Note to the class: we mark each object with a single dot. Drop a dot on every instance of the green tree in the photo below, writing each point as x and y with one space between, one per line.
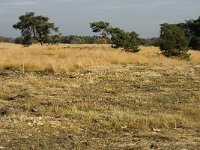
173 41
55 39
100 26
119 38
18 40
35 28
127 41
193 28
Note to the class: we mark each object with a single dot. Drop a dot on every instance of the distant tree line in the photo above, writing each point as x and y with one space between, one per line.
149 41
73 39
174 41
7 39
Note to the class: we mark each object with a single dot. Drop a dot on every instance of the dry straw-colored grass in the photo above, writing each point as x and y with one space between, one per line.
63 57
117 107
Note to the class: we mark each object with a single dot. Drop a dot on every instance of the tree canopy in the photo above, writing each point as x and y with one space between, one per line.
193 28
119 38
35 28
173 41
100 26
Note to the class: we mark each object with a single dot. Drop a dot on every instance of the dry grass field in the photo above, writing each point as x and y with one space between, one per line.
64 58
94 97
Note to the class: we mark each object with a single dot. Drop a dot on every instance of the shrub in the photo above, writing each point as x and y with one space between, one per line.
127 41
193 28
173 41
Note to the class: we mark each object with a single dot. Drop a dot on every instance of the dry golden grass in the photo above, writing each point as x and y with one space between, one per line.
64 58
115 107
152 103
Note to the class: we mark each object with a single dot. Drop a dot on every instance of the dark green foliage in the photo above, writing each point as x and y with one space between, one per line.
55 39
100 26
133 43
119 38
86 39
193 28
173 41
127 41
149 41
27 39
143 42
195 43
35 28
18 40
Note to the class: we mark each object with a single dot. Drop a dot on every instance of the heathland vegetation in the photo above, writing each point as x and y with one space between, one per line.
120 93
95 97
69 57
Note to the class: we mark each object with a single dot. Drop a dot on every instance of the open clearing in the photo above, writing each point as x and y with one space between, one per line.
106 99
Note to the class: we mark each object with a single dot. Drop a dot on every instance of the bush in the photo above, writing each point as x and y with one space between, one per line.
173 41
127 41
193 29
195 43
18 40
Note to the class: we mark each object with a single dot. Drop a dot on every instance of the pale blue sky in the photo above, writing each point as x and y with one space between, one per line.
73 16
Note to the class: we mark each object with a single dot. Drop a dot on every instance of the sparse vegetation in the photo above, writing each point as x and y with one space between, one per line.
115 100
64 58
83 96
